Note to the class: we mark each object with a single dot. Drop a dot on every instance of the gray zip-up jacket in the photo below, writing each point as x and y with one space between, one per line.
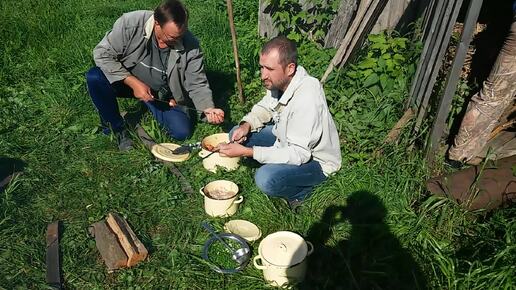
303 125
126 45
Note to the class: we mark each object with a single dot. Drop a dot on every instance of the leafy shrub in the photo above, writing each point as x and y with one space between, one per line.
311 20
367 97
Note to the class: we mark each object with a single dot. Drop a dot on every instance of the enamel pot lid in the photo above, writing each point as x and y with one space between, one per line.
246 229
163 151
283 249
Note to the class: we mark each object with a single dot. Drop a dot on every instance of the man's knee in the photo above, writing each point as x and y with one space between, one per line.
95 76
266 181
180 134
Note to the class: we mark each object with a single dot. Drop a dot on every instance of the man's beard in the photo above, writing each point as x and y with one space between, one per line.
279 86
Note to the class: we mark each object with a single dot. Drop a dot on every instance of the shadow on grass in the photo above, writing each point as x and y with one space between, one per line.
372 257
9 168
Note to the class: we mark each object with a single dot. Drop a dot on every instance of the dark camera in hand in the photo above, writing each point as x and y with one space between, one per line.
164 94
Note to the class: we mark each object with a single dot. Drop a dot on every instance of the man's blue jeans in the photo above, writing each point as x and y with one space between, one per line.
103 94
292 182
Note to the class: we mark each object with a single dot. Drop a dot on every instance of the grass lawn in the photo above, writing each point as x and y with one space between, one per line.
372 224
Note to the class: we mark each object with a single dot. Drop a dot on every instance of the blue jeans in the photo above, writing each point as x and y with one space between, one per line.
103 94
292 182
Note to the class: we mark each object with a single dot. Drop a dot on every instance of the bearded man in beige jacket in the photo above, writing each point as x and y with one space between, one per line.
290 131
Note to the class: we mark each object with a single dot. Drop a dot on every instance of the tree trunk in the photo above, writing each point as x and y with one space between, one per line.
340 23
266 27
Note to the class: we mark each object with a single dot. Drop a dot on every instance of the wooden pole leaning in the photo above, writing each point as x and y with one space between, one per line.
229 3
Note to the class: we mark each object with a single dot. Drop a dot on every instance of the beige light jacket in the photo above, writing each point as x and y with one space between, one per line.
303 125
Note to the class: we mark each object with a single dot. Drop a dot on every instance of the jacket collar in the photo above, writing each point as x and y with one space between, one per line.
292 87
149 27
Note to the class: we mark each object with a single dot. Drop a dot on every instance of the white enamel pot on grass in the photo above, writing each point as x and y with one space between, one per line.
210 162
221 198
282 257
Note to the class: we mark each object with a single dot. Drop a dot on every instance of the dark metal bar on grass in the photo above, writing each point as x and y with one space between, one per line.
453 78
53 259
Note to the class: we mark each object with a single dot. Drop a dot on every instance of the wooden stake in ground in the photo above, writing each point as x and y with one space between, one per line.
235 49
396 130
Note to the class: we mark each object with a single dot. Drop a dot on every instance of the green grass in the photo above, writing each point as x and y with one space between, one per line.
372 224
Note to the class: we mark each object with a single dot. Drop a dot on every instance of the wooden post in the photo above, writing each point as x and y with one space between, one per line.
235 50
344 46
452 79
341 23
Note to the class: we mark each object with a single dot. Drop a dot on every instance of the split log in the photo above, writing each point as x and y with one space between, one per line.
133 248
117 243
107 243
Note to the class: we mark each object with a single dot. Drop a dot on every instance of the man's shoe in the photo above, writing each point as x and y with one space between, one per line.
124 142
295 205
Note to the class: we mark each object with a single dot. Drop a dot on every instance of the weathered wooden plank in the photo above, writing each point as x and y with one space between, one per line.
453 78
396 130
364 28
433 44
396 11
434 13
345 43
428 14
340 24
266 27
443 38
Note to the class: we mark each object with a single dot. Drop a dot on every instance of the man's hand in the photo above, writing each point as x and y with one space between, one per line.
240 133
172 103
214 115
140 90
235 150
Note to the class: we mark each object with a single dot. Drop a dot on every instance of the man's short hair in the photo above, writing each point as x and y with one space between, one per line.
171 10
286 48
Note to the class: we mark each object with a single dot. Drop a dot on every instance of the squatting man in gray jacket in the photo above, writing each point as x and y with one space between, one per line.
290 130
152 56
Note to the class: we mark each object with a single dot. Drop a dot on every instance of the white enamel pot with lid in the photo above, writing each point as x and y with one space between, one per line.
282 257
